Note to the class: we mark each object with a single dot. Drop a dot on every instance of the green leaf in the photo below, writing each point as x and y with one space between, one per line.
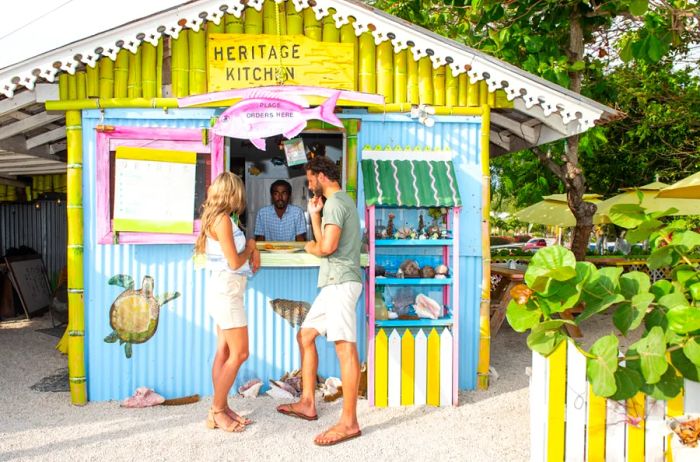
633 283
555 262
639 7
652 352
546 337
627 215
667 388
601 369
628 382
630 315
685 366
687 239
521 317
601 291
656 317
692 351
577 66
626 51
661 258
643 231
695 291
683 319
685 275
656 48
661 288
111 338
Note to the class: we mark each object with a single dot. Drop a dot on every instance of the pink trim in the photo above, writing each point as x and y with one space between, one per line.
455 309
370 214
355 96
160 138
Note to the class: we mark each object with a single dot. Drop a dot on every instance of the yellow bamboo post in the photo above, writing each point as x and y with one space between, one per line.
351 129
400 82
269 23
159 68
93 81
330 32
253 23
233 24
106 78
439 86
473 94
425 81
214 28
483 93
72 87
180 65
482 372
295 22
463 84
412 90
385 71
148 70
76 308
451 88
81 84
312 26
366 74
347 35
198 62
134 86
63 86
282 17
121 74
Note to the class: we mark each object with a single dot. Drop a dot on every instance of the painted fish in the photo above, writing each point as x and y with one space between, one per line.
268 114
294 312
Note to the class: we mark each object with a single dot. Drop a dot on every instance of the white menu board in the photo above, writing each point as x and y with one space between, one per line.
154 190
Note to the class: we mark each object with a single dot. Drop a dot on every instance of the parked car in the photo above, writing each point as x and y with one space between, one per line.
534 244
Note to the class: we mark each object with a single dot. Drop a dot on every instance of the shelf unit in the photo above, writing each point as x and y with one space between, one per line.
448 286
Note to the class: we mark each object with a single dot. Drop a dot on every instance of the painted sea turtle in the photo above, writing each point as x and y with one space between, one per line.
134 313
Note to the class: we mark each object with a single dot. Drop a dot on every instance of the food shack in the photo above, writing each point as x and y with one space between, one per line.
158 106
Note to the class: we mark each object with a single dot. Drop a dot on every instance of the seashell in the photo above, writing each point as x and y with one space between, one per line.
442 269
379 271
280 390
426 307
393 315
251 388
291 310
427 272
410 269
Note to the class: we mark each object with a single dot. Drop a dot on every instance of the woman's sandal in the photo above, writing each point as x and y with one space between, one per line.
237 417
234 426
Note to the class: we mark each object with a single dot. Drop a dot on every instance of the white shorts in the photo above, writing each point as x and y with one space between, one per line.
333 313
224 299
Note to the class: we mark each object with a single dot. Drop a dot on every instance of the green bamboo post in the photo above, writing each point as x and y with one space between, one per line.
282 17
462 83
198 62
400 76
159 67
134 87
347 35
72 87
483 93
451 88
93 81
439 86
148 70
121 74
491 97
106 78
425 81
295 21
351 129
269 23
385 71
180 65
473 94
81 84
412 88
76 307
213 28
367 81
63 86
312 26
330 32
253 23
234 25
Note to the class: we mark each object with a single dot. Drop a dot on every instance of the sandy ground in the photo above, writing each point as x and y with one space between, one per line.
486 426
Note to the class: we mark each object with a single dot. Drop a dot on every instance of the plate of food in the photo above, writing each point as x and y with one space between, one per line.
280 248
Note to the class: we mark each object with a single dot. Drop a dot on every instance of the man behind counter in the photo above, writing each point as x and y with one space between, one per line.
280 221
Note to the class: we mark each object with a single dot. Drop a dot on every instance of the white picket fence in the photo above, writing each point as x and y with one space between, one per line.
569 422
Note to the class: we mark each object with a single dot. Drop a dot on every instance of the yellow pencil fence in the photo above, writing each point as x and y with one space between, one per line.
569 422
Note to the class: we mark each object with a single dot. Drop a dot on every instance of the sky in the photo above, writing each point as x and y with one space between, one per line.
23 22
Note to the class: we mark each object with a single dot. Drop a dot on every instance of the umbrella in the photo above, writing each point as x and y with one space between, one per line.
650 201
687 188
553 211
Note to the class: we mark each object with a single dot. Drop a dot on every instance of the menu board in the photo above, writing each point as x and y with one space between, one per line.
153 190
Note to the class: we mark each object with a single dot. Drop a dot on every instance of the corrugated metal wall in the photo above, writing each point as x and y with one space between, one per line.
40 225
462 136
177 360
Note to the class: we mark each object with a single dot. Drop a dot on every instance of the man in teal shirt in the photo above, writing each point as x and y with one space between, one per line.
333 313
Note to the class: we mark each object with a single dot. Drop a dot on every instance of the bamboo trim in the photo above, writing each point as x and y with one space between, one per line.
367 56
269 23
121 74
63 86
439 86
463 85
93 81
439 110
180 64
76 311
351 127
347 35
214 28
482 373
159 67
412 90
425 81
72 87
253 23
134 86
198 62
312 26
234 25
385 71
472 94
148 70
330 32
400 76
104 103
295 22
81 84
451 89
106 78
282 17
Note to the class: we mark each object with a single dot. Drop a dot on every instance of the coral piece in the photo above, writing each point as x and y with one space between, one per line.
410 269
426 307
404 297
143 397
251 388
441 271
390 225
427 272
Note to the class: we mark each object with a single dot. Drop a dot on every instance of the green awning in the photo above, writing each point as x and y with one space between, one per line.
410 183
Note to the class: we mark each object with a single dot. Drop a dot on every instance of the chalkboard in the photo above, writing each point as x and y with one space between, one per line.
29 278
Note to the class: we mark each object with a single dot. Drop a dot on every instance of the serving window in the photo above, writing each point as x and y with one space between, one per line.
151 183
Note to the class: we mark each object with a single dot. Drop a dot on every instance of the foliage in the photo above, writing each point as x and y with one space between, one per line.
665 313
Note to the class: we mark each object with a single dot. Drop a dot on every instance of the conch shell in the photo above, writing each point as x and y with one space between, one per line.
426 307
441 271
251 388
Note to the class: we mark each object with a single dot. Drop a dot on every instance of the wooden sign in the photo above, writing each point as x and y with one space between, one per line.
246 60
28 275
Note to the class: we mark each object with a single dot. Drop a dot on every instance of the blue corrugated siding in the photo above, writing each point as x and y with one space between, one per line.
462 136
177 360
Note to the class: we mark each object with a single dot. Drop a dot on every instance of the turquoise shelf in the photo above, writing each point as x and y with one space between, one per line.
412 242
412 282
442 322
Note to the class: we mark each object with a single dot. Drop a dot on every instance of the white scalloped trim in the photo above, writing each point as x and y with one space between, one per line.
515 83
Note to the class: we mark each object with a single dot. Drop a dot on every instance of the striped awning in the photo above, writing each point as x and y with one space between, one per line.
409 182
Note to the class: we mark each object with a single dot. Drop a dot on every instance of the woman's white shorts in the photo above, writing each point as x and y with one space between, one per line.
224 299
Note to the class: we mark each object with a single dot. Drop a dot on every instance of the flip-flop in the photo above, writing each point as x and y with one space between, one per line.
292 413
343 437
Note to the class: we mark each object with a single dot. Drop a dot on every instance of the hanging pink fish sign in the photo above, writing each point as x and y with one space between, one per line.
268 114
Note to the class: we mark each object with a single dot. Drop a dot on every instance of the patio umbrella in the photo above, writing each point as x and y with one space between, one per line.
687 188
553 210
650 201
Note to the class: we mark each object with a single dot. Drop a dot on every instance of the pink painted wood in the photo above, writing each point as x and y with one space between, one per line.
370 214
158 138
455 302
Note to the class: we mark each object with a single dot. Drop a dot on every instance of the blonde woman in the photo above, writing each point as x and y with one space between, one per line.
229 259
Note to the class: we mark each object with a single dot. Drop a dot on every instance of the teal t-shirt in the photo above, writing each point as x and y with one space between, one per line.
343 265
